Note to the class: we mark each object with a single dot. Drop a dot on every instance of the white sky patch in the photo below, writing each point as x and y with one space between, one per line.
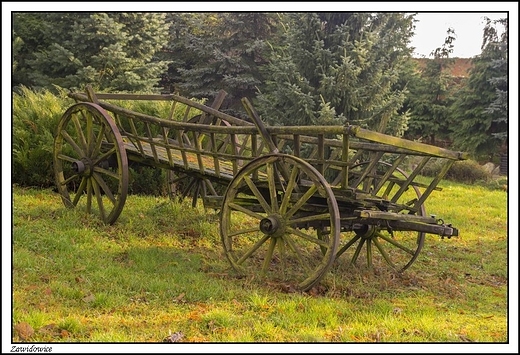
431 31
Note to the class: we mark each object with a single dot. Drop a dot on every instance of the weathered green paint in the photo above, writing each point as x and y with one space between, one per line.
278 215
94 131
337 178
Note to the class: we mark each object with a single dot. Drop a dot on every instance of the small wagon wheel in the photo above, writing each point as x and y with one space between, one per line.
268 224
380 245
182 185
90 162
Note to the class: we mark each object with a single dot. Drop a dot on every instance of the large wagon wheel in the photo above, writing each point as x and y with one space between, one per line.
379 245
268 224
90 162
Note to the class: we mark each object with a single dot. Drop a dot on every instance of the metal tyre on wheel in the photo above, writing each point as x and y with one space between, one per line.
378 245
268 222
90 162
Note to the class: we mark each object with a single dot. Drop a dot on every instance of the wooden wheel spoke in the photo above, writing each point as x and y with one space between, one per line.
66 158
251 250
210 187
348 245
250 213
258 195
178 179
283 255
288 190
69 179
310 238
369 252
99 180
383 253
296 252
89 195
79 131
358 250
99 199
243 231
395 243
104 156
99 170
99 140
306 196
89 129
268 256
272 187
81 188
81 152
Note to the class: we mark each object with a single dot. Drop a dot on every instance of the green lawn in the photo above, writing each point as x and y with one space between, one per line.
160 270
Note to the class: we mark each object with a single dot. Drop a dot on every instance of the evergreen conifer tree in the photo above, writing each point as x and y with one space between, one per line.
111 51
339 67
218 51
480 112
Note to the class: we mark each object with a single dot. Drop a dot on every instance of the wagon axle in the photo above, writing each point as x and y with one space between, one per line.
85 166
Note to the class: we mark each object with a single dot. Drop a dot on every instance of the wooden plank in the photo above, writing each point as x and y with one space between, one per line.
188 161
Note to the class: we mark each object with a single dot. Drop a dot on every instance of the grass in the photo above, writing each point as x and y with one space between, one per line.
160 270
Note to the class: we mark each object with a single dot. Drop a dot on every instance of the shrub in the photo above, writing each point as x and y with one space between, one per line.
146 180
466 171
36 115
35 118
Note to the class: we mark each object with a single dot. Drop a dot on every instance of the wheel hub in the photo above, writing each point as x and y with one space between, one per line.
273 225
83 167
366 231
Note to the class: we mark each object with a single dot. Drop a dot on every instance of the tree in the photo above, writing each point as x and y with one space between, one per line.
111 51
214 51
480 111
339 67
430 97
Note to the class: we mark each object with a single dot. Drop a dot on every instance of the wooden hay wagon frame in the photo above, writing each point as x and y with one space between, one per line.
291 200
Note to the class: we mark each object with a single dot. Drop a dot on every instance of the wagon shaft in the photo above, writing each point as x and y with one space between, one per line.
293 199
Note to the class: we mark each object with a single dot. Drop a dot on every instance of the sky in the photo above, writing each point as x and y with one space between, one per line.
431 30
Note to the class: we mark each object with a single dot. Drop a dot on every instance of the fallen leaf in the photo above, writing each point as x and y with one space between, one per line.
24 330
397 310
465 338
179 297
89 298
49 329
173 338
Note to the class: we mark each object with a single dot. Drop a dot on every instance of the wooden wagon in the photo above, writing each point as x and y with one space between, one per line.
291 200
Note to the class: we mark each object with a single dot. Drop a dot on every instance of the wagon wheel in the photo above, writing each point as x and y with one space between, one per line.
268 224
182 186
90 162
376 246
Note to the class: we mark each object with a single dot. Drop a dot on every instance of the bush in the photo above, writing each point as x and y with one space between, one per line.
146 180
466 171
36 115
35 118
